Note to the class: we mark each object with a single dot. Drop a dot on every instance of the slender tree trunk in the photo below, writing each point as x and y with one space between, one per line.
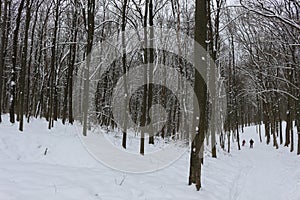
280 128
292 138
200 90
14 64
288 128
125 73
151 67
2 50
298 133
273 128
259 130
1 62
235 94
145 95
52 66
266 113
298 113
228 139
23 65
31 91
214 48
68 93
90 36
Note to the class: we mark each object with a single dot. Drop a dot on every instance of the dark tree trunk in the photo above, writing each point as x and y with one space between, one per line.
228 139
236 106
214 48
288 128
31 91
266 113
292 139
2 51
90 24
52 74
273 128
298 113
280 128
145 95
200 90
151 63
125 73
23 65
14 64
68 93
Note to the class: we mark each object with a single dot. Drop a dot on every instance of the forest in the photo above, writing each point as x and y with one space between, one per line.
98 63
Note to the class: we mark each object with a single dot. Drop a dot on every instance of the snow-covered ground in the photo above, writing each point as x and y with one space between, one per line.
68 171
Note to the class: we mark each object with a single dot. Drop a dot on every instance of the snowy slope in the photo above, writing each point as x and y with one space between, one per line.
68 171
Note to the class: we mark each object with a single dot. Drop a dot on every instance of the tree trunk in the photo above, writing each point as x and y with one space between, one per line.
14 64
273 128
90 36
125 74
200 90
288 128
214 48
280 128
298 112
292 138
68 93
31 91
2 51
228 139
145 95
151 67
298 131
23 65
52 74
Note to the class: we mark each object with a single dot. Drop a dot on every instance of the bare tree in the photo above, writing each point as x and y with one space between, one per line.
2 49
24 64
125 72
90 28
200 89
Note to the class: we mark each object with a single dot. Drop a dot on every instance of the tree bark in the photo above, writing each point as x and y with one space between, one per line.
200 90
14 64
90 36
68 93
52 67
23 65
30 91
2 51
151 67
145 95
125 73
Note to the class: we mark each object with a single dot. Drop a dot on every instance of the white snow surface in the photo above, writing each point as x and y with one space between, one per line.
68 171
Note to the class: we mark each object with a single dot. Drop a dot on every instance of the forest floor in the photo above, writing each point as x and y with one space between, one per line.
68 171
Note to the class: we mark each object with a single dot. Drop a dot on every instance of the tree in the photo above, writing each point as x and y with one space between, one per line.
23 65
144 119
14 64
125 73
68 93
2 48
214 49
52 75
200 90
298 114
90 28
151 67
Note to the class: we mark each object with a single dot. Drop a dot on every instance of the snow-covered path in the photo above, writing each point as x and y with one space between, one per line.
69 172
267 174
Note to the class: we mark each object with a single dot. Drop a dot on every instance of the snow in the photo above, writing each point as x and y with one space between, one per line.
69 171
